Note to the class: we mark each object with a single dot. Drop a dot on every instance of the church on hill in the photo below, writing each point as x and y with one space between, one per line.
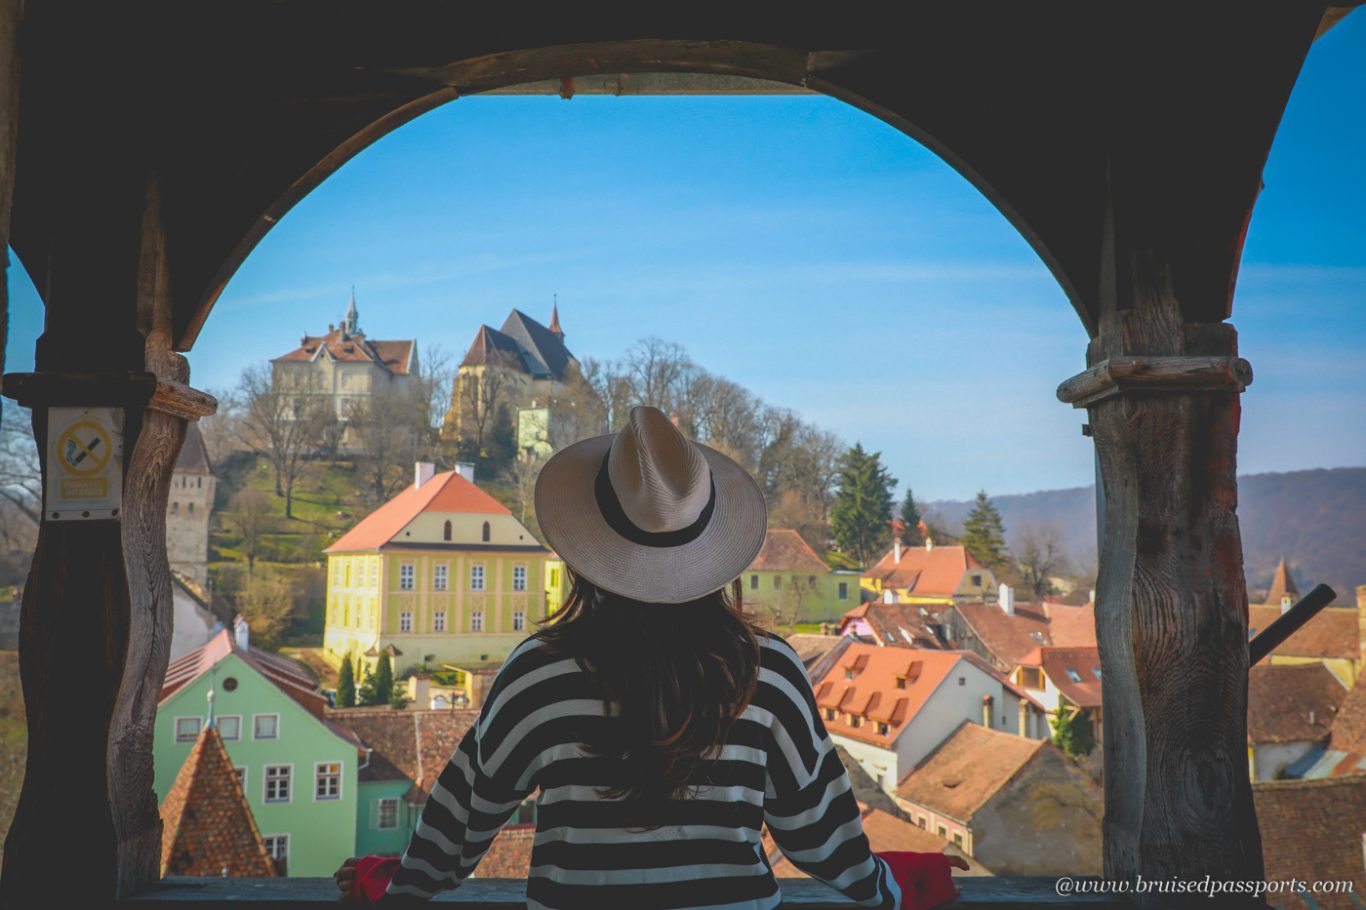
517 374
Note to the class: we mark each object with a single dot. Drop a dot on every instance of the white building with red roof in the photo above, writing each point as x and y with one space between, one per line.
346 367
1067 678
890 707
441 573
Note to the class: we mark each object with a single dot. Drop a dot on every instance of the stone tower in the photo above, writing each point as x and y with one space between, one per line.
187 513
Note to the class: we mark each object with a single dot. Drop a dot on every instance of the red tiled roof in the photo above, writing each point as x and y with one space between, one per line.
885 832
394 356
876 670
1333 633
1085 662
936 572
291 678
446 492
1292 703
411 745
1071 626
208 826
1349 728
1006 638
509 856
1282 585
1311 831
967 770
903 625
784 550
811 648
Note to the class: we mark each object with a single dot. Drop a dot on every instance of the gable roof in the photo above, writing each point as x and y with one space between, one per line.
1333 634
543 350
1009 639
1349 727
411 745
446 492
394 357
493 348
1311 830
967 770
1085 662
208 826
784 550
886 832
293 679
873 693
925 571
896 624
509 856
1282 585
194 456
811 648
1292 703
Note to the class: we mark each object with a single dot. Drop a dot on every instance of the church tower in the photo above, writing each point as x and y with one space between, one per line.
351 321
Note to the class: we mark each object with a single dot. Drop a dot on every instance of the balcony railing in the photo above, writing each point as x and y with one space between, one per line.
507 894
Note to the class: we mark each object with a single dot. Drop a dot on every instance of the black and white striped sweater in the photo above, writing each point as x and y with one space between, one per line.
777 766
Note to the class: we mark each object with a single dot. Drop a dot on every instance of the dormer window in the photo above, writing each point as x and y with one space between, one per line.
1073 675
848 673
883 729
855 720
901 682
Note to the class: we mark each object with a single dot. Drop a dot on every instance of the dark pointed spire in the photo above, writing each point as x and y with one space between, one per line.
555 318
351 322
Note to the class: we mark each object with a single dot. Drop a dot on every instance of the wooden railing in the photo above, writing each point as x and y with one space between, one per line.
508 894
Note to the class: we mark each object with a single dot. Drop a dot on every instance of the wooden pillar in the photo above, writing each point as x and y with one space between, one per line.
95 626
1162 395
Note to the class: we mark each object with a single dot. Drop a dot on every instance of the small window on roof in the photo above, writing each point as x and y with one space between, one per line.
890 636
1073 675
883 728
1096 670
901 682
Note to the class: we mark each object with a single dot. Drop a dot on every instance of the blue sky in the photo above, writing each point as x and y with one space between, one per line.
810 252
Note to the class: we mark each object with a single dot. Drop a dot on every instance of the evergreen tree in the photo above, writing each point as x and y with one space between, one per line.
863 506
1072 733
384 679
346 684
983 533
910 517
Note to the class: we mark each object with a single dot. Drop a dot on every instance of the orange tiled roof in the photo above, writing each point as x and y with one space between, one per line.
936 572
393 356
509 856
1282 585
873 689
1333 633
1085 662
208 826
1311 830
1006 638
1292 703
446 492
411 745
885 832
1349 727
967 770
811 648
902 625
784 550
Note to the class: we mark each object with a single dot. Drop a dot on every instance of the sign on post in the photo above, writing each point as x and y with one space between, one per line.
84 464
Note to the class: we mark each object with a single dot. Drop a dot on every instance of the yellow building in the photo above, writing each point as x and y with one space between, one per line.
1333 638
442 573
929 574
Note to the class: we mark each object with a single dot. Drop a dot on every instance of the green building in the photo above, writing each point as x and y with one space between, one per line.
297 768
789 582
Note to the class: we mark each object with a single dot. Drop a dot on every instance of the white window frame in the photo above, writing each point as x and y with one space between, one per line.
379 813
440 576
405 621
199 725
255 729
478 576
519 577
219 722
282 838
317 778
439 621
407 576
477 621
519 620
241 771
289 785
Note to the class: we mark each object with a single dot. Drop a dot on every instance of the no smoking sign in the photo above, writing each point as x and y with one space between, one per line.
84 467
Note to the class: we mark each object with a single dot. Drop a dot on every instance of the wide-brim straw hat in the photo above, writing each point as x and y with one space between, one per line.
650 515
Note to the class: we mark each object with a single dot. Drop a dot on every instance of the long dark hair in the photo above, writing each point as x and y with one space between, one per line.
676 676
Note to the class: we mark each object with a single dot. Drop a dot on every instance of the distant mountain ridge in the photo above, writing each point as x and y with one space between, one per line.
1315 518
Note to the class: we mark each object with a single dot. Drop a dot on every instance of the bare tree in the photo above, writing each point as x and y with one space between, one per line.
221 432
1038 551
788 603
480 393
576 413
252 519
284 424
267 602
389 431
521 476
21 482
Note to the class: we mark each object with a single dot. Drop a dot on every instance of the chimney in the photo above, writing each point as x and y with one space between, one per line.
1024 718
423 471
889 596
896 550
1093 595
465 469
241 632
1361 618
1008 600
929 543
1286 604
987 702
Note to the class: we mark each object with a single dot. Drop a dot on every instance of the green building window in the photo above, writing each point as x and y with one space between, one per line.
844 590
754 582
278 783
328 780
265 726
277 845
387 814
230 726
187 729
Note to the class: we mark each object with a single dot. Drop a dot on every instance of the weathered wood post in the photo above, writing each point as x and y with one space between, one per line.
95 626
1162 395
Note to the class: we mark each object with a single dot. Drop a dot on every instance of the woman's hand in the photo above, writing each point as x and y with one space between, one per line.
925 878
958 862
345 877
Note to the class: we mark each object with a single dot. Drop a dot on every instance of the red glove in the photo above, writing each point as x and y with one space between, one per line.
924 878
373 874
